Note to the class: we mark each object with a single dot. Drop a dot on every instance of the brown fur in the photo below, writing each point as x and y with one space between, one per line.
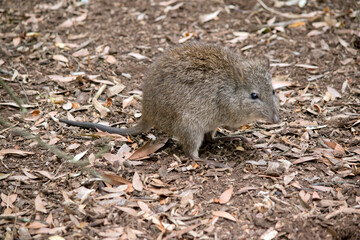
194 88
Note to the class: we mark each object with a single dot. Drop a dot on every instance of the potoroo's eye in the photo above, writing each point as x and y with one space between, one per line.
273 92
254 96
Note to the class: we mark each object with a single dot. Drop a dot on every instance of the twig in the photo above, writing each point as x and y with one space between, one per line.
24 91
73 58
51 148
54 150
84 44
287 15
15 76
23 133
280 201
12 94
182 231
336 183
254 27
4 165
13 231
5 72
10 217
5 129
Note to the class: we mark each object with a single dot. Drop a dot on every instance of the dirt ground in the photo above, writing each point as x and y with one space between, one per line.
299 179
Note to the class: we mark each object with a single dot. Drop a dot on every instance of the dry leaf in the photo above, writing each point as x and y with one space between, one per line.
129 101
138 56
322 188
73 146
333 93
137 183
167 3
35 225
346 62
305 197
289 178
75 105
56 6
114 179
15 152
226 195
186 36
246 189
50 230
19 178
307 66
357 151
39 204
83 193
305 159
280 64
172 8
343 210
144 207
331 21
297 24
46 174
271 21
187 198
314 33
7 201
207 17
129 211
67 106
319 24
29 175
315 196
240 36
4 175
60 58
78 156
114 90
147 149
71 21
16 41
113 136
333 145
81 53
100 108
35 112
110 59
112 157
269 234
107 82
62 78
278 83
224 215
77 36
161 191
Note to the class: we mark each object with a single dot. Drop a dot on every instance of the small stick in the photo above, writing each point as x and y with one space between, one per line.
14 76
287 15
12 94
73 58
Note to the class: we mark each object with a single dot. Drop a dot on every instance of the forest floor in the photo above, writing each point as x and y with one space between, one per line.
299 179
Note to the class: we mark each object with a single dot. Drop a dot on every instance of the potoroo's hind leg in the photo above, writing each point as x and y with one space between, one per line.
191 143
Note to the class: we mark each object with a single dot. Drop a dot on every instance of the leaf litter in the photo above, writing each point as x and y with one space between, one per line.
302 174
